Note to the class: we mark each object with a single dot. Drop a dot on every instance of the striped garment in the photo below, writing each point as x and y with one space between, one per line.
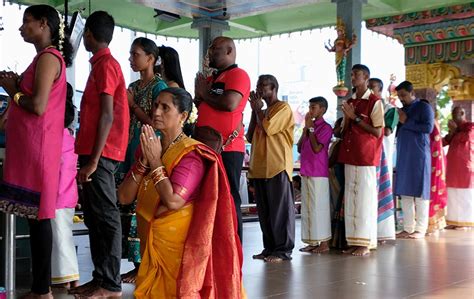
385 196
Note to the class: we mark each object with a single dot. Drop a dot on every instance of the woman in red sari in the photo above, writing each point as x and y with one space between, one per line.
438 196
186 216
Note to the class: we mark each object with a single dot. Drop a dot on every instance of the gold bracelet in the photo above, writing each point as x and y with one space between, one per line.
143 165
135 179
17 96
161 179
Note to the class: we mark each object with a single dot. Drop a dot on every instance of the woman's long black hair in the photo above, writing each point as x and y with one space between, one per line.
51 15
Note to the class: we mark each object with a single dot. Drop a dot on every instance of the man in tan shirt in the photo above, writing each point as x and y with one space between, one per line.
271 166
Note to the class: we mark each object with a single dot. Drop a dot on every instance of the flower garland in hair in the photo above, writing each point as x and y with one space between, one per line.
61 32
193 115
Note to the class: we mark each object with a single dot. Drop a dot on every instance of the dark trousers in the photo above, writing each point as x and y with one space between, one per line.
233 167
102 218
276 213
41 244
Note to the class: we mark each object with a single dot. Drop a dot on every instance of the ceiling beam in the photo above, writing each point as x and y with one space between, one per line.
386 4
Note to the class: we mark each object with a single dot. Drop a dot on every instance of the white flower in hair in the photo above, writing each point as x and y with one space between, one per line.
61 32
193 116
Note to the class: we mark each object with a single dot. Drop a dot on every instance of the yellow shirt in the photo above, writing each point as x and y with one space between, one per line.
272 143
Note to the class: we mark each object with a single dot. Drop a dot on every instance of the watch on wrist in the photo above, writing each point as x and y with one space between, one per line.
357 119
311 129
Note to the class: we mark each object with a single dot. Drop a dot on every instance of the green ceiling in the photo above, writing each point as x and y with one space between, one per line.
287 18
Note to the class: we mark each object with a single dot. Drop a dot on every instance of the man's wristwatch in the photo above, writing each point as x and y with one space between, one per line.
357 119
311 129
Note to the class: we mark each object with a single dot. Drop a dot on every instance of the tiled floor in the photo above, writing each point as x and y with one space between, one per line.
440 266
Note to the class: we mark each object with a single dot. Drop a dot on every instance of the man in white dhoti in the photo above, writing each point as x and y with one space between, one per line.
460 171
361 151
315 200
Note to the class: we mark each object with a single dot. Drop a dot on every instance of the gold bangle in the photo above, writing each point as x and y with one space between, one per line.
143 165
161 179
135 179
17 96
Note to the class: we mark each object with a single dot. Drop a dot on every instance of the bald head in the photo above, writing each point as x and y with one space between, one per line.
222 52
458 114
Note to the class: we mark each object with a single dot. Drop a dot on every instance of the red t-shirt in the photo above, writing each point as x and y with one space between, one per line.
106 77
236 79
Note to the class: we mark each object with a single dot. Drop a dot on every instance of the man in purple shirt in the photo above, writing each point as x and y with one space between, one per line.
313 147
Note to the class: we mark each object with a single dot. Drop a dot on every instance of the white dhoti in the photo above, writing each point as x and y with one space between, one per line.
460 207
64 267
416 214
386 228
360 205
315 210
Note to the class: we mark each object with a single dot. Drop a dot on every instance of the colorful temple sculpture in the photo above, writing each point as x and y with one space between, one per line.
439 50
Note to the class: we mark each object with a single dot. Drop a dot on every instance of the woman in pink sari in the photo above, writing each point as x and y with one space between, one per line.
34 136
438 196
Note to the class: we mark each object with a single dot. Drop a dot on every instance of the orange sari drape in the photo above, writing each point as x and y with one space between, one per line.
193 252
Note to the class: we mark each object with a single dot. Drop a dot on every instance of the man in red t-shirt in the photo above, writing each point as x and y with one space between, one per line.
221 101
101 144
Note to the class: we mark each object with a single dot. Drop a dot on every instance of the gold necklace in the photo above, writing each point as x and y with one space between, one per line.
176 140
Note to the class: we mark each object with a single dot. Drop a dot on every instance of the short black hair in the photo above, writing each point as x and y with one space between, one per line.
101 25
406 85
361 67
377 80
321 101
271 79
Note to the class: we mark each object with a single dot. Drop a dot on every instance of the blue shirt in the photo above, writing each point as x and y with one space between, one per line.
413 170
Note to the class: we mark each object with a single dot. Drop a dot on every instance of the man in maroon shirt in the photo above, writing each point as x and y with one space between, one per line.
101 143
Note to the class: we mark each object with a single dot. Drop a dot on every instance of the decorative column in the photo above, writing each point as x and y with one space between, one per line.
428 79
208 30
350 11
439 50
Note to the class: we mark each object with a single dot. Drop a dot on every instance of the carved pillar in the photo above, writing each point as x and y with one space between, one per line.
428 79
461 91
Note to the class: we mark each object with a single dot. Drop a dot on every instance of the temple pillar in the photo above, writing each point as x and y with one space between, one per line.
350 11
208 30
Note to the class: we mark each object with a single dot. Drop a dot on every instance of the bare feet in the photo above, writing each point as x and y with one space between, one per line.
416 235
32 295
402 235
461 228
273 259
323 247
130 276
85 288
100 293
361 251
73 284
259 256
349 250
308 248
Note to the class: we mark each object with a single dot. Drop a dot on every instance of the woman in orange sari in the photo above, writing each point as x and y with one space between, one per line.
186 216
